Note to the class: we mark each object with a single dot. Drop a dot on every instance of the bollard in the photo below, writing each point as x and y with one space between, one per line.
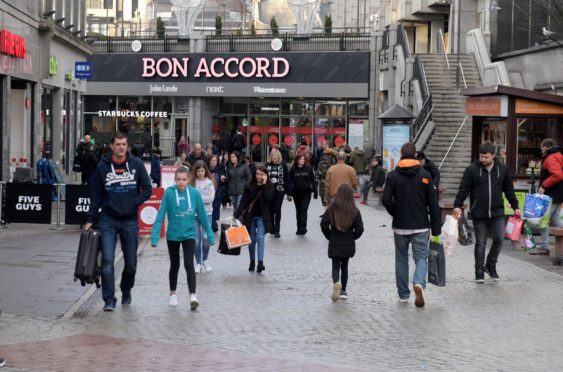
58 186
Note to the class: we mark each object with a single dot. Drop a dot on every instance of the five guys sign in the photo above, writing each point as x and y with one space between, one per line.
12 44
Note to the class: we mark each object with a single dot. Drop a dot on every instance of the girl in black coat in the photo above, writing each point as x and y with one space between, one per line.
254 212
341 224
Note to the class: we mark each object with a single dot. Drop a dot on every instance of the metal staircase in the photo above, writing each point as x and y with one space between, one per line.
448 115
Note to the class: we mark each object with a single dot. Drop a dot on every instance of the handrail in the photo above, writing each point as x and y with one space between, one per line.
403 40
420 127
420 75
453 141
444 47
462 74
481 61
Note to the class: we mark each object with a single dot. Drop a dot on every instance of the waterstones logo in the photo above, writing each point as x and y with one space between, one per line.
269 90
162 88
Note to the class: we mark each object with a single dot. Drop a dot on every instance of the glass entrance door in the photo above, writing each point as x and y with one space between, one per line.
264 133
180 130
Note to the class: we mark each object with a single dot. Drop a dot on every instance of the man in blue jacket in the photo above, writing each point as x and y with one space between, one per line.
119 186
484 181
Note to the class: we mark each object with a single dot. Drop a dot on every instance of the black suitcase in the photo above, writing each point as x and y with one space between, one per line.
88 263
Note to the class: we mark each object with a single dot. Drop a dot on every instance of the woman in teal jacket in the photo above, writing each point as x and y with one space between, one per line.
181 203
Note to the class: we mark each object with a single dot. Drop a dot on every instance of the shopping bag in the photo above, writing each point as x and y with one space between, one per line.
237 235
449 235
223 247
527 241
513 228
464 232
536 206
436 264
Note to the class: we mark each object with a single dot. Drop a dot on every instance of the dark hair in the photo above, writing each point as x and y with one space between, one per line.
297 158
342 210
420 155
216 157
408 150
237 154
262 168
486 147
199 164
118 135
548 142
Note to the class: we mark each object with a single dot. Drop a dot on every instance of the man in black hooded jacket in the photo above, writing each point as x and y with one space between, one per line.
409 197
484 181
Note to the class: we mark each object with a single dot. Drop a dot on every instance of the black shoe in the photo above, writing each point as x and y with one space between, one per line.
491 270
479 276
260 267
277 235
109 305
126 298
304 231
252 265
2 362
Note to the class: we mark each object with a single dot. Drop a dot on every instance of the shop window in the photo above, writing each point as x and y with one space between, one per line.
263 134
100 128
265 106
332 130
137 128
358 108
495 131
97 103
299 107
330 108
295 130
233 106
162 127
531 132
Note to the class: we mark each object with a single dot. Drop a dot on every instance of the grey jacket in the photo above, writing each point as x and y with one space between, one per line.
237 178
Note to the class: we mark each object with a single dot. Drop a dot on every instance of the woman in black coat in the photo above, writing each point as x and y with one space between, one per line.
254 212
303 184
341 224
88 163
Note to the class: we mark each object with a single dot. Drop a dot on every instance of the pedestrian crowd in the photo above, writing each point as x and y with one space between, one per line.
205 180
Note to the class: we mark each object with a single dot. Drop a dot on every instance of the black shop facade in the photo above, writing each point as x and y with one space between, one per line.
274 99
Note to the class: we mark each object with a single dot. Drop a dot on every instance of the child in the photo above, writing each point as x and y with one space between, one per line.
341 224
181 203
202 179
254 212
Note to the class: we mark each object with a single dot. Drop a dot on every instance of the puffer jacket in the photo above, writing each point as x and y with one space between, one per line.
237 178
342 244
552 174
359 160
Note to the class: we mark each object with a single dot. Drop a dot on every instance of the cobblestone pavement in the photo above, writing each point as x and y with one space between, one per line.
284 319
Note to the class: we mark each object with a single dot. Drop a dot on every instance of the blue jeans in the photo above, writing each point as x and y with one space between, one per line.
257 233
235 200
495 226
553 221
216 209
419 243
127 230
201 243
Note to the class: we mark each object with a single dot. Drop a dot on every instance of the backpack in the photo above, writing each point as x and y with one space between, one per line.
325 163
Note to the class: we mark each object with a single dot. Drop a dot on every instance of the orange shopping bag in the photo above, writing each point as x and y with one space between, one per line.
237 236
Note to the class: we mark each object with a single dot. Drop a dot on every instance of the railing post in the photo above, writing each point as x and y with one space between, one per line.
1 203
58 186
231 43
341 42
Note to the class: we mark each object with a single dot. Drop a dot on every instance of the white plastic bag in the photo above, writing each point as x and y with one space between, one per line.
449 235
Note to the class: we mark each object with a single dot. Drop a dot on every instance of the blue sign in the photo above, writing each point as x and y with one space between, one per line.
83 70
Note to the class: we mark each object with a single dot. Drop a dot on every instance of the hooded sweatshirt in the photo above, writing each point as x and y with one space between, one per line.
181 207
359 160
409 197
119 188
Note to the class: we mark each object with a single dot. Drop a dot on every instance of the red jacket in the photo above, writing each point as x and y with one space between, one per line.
552 174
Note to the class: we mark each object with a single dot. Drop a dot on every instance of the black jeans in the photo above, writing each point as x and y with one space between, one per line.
174 251
301 207
495 226
340 266
276 212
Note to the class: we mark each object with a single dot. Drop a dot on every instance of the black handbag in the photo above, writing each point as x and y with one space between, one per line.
76 164
464 232
437 264
223 247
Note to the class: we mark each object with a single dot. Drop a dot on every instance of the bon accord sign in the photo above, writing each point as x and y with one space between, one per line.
298 74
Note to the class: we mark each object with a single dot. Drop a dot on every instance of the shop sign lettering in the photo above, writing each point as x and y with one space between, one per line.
12 44
248 67
83 205
53 66
134 114
28 203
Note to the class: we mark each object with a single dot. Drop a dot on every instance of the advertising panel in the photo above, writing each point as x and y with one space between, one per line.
77 204
394 136
28 203
148 211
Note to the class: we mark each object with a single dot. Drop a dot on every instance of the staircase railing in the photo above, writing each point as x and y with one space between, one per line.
422 118
441 38
462 74
453 141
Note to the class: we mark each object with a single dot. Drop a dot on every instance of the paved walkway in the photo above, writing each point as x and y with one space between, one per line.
284 319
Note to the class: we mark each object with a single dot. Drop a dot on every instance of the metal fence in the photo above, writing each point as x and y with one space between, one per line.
148 44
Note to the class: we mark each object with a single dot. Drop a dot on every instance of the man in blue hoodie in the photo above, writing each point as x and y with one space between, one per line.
120 185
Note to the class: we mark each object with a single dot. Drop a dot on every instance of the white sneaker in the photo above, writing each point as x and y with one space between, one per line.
173 300
194 303
197 268
206 266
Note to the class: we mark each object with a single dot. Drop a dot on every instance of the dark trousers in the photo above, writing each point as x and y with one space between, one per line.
340 268
301 207
127 230
188 246
495 226
276 212
216 214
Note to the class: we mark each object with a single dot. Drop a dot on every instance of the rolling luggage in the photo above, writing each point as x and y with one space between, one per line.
88 263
